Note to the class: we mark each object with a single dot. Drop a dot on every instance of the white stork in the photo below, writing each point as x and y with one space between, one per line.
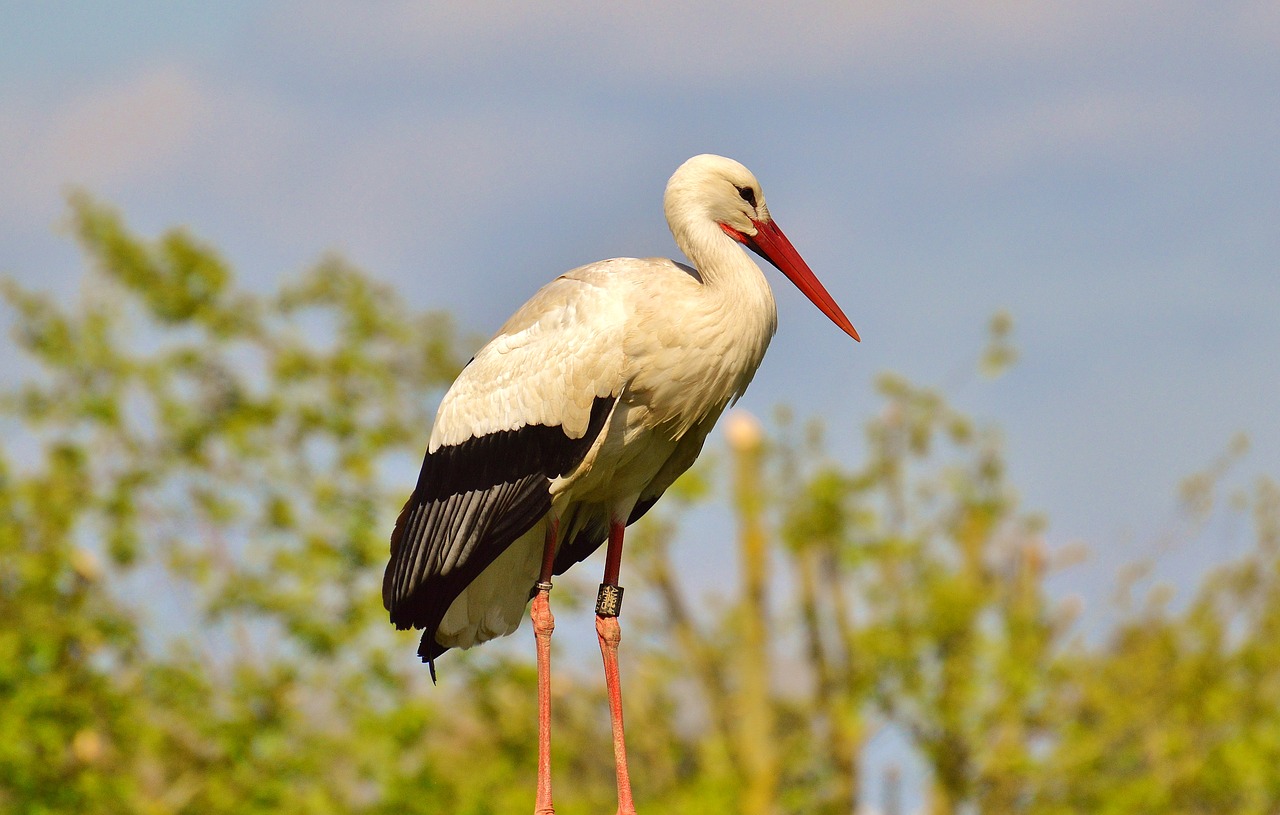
575 418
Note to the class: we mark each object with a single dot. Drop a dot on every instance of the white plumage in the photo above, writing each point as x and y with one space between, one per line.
585 406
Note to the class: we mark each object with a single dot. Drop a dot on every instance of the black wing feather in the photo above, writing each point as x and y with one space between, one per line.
471 502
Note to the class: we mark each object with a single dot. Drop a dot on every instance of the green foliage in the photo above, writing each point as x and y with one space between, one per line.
1178 711
65 722
211 466
193 527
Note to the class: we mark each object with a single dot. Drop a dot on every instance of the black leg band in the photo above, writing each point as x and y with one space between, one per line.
609 601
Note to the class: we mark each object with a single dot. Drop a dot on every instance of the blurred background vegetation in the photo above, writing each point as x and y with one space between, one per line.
196 488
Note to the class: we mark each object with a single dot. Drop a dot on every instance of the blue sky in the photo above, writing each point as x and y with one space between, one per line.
1108 172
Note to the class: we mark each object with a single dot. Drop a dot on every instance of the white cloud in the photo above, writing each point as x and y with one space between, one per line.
287 172
1257 24
382 190
748 45
134 129
1097 124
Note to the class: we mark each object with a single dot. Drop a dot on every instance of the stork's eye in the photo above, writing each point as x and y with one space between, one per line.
748 195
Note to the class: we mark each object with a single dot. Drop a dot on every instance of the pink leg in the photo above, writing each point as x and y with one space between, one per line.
610 634
608 606
543 624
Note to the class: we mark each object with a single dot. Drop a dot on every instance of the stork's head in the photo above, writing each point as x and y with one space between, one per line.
710 189
716 188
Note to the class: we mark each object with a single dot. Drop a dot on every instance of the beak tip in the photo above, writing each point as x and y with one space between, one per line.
770 243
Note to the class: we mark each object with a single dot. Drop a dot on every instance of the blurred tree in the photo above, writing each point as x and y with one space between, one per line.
187 578
916 598
1179 711
68 652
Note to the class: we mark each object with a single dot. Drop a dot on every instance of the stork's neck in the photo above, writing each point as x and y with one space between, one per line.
729 322
722 262
730 276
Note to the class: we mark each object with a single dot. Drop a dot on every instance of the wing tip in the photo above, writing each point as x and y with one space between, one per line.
429 650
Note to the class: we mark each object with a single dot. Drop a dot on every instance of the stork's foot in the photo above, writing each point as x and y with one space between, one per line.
543 624
610 634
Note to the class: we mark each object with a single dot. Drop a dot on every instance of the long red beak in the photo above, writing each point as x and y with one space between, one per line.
773 246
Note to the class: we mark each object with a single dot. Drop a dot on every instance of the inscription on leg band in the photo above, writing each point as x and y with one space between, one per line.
609 601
